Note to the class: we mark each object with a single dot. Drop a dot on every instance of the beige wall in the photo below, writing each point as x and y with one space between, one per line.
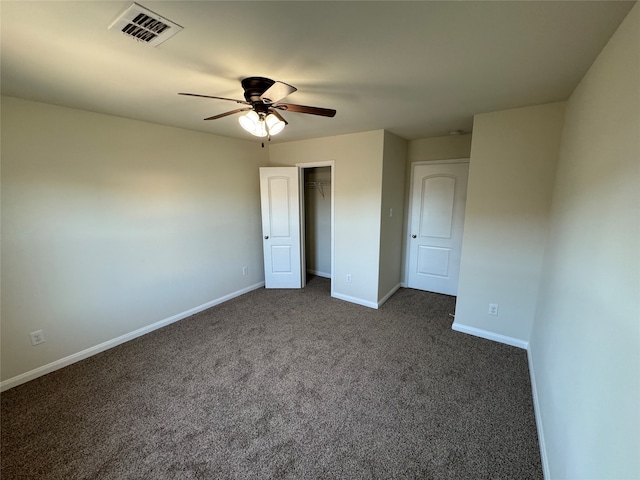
358 194
392 214
110 225
439 148
585 344
512 169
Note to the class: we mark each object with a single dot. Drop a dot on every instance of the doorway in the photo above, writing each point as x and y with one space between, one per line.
317 225
317 221
284 227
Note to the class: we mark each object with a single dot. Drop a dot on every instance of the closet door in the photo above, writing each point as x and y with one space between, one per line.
280 201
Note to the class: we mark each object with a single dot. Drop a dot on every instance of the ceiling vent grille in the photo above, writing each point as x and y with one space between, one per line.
145 26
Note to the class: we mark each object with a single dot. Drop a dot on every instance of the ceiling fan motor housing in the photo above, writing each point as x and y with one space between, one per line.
254 87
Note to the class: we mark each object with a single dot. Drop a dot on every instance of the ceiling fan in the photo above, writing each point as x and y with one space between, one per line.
262 100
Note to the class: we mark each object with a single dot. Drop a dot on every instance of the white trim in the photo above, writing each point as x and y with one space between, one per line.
327 163
536 409
76 357
403 285
388 295
407 242
319 274
302 228
441 162
358 301
333 223
496 337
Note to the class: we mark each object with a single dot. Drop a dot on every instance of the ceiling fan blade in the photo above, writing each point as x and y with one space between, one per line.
216 98
280 117
276 92
238 110
290 107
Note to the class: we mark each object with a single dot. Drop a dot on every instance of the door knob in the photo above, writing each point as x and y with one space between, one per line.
266 237
413 236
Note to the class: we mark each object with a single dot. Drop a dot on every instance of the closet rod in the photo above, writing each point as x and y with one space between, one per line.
319 185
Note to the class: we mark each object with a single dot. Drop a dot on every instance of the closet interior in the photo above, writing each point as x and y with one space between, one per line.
317 211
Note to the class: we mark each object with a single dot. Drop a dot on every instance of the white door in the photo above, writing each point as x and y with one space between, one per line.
280 200
438 196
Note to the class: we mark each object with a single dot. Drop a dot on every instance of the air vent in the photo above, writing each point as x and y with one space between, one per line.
145 26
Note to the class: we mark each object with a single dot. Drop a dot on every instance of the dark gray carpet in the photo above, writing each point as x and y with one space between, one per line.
283 384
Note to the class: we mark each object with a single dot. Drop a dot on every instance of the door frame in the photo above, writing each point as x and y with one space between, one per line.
407 244
303 253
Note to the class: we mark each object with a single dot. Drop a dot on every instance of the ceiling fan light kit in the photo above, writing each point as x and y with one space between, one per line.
274 124
260 125
262 96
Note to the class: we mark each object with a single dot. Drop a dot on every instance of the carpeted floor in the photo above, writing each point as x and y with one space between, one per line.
283 384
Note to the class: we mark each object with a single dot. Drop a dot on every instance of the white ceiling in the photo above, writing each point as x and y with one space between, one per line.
417 69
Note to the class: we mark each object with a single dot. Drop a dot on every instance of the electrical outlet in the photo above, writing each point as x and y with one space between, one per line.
245 270
348 278
493 309
37 337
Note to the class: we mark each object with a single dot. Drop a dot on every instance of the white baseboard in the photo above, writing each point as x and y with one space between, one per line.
496 337
358 301
76 357
536 409
388 295
319 274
